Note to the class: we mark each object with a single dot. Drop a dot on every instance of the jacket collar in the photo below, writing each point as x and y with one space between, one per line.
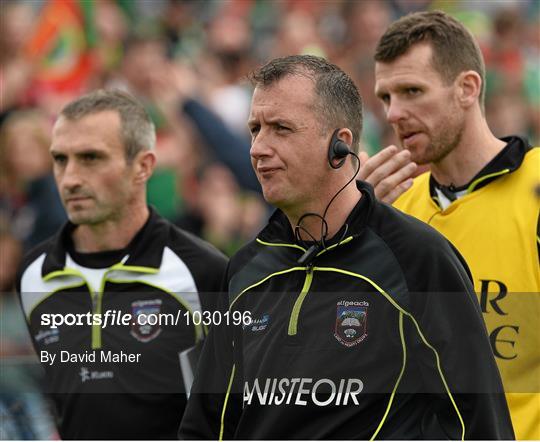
506 161
279 229
145 250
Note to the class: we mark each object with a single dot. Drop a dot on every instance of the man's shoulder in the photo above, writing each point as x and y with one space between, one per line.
274 232
163 233
30 284
417 194
416 245
244 255
204 261
36 253
532 156
405 232
182 241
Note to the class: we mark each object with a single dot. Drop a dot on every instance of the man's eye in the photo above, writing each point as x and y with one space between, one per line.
254 130
385 98
89 157
413 91
59 159
282 128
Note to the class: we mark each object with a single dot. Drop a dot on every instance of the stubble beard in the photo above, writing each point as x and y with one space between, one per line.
443 141
87 216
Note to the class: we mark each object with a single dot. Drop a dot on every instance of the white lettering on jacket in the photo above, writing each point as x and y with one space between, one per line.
300 391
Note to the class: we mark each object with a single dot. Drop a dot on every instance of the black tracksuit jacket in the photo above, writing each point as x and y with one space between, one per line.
379 336
163 270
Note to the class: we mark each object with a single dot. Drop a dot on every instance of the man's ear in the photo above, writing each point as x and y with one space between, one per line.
144 164
346 136
469 86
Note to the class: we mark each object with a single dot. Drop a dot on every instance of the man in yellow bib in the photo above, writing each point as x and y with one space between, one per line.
480 191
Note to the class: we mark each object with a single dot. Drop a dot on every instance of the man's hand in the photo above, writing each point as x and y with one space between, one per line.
170 85
390 172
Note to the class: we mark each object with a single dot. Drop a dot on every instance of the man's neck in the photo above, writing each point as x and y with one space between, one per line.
110 235
335 218
477 148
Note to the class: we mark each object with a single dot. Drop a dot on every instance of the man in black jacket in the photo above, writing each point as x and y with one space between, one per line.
364 320
114 298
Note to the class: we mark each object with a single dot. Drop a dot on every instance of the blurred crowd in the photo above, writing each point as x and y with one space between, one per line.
186 60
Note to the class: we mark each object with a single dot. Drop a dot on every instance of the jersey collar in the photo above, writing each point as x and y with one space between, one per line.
144 250
279 229
506 161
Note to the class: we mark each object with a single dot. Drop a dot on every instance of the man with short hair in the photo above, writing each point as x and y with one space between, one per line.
109 301
480 192
356 308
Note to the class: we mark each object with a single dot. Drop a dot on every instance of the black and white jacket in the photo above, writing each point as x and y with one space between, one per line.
120 381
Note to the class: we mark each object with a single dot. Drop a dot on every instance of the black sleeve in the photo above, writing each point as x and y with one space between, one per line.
215 403
451 349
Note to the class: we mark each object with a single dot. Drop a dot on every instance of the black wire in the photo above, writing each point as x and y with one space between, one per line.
299 238
324 223
323 237
344 234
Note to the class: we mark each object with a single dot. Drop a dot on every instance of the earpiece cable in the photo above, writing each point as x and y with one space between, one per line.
324 223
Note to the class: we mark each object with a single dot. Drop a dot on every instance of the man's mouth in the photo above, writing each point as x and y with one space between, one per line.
409 137
77 199
267 172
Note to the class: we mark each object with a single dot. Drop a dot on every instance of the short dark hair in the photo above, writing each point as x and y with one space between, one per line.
455 49
137 130
339 104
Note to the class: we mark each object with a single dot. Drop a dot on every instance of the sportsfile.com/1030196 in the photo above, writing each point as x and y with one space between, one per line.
116 318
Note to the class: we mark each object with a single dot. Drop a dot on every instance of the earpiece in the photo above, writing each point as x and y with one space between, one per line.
338 150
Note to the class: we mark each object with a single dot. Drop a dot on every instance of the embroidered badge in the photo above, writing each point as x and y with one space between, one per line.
145 324
351 322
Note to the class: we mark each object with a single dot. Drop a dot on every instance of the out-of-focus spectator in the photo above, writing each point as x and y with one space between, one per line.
10 257
513 73
504 58
145 56
112 28
365 22
28 196
61 48
15 69
507 114
298 35
175 90
216 213
229 45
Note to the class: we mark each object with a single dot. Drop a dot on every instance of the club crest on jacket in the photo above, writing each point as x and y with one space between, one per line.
351 322
145 319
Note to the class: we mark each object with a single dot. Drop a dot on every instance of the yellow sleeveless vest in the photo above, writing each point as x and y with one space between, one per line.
495 229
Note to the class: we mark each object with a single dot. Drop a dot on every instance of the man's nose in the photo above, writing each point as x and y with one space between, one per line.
395 112
260 146
71 178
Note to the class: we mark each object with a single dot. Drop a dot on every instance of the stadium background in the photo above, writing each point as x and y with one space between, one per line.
186 60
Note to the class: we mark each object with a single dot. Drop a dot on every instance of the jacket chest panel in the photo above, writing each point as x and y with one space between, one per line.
347 326
133 318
